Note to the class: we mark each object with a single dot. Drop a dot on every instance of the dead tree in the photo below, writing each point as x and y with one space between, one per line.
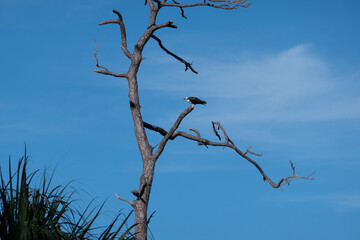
150 154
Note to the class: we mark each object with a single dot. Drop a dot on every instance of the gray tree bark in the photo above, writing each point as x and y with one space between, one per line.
149 158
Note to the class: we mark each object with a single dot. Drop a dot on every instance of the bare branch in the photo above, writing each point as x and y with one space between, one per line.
248 151
97 59
215 131
110 73
187 65
221 4
105 71
228 143
123 32
171 131
227 140
157 129
198 136
287 180
181 9
169 24
123 199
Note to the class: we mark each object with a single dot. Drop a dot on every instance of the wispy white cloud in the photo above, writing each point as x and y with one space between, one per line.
293 85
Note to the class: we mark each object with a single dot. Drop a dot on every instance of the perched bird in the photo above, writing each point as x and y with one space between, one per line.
195 100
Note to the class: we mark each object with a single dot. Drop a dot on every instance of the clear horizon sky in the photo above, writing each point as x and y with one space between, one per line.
281 76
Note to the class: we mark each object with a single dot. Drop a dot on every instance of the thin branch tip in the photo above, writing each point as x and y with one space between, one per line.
123 199
187 64
253 153
220 4
116 12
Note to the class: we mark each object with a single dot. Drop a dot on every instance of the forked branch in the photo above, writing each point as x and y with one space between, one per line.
105 71
172 134
122 30
253 153
168 134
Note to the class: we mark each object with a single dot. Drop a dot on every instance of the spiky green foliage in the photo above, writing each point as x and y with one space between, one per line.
46 212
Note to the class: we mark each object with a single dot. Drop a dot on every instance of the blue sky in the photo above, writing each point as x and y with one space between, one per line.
281 76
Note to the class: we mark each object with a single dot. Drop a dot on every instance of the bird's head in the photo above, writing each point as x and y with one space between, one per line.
187 98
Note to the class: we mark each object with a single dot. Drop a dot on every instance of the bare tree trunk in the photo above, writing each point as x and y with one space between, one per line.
140 205
149 158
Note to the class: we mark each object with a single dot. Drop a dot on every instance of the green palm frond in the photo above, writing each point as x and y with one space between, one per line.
46 212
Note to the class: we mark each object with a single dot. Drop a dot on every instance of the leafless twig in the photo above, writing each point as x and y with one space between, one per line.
97 59
187 65
181 9
123 199
216 132
253 153
105 71
198 135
